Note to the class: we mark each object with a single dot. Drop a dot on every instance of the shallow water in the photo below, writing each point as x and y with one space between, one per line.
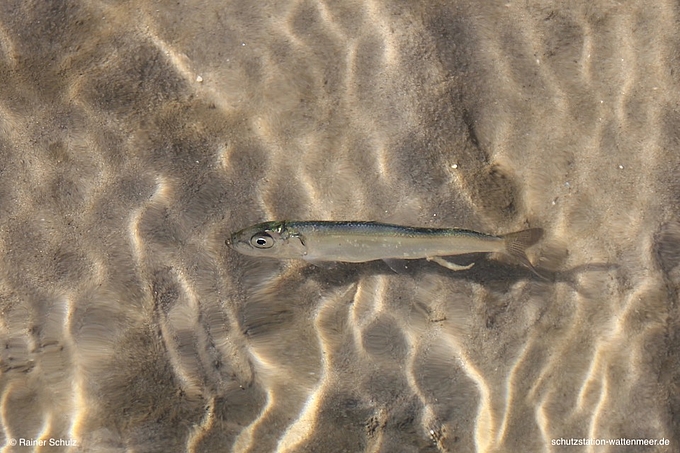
135 136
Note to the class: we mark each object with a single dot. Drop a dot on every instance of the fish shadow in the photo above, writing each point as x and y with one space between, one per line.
497 275
488 271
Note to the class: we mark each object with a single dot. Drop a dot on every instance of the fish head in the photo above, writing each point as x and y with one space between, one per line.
269 239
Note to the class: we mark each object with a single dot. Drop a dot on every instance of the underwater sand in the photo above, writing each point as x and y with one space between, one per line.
136 135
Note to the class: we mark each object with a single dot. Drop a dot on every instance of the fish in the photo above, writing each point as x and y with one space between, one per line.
359 242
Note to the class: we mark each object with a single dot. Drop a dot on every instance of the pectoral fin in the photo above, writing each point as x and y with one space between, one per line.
448 264
323 264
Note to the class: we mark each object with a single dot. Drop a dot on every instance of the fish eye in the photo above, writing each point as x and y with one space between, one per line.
262 241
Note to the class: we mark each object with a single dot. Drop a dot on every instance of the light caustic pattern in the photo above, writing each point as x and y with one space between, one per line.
130 149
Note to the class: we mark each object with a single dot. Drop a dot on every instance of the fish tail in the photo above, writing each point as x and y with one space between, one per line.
517 243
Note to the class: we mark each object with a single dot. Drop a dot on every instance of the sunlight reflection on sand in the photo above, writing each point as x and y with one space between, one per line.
131 149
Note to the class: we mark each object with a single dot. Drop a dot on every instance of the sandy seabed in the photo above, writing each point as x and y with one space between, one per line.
136 135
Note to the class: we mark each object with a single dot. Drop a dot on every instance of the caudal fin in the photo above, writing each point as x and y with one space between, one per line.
517 243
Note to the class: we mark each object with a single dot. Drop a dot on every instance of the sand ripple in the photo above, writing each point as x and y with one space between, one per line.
135 136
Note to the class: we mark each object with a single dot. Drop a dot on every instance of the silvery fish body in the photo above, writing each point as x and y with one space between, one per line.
356 242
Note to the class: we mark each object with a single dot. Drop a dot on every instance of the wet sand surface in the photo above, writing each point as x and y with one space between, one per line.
136 135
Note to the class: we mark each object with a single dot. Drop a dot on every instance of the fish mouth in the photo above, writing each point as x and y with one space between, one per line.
237 243
231 242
